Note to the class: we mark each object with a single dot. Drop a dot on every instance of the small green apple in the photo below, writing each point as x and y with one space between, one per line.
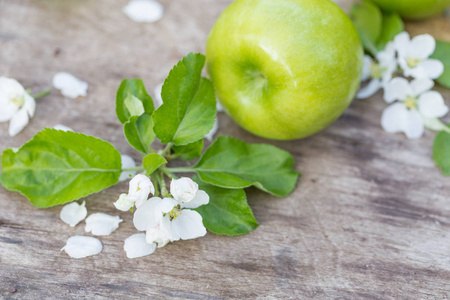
414 9
284 69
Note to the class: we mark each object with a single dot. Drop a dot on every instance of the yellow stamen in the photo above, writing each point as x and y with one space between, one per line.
410 103
412 62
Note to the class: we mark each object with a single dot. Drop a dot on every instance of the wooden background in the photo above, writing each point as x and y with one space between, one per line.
370 218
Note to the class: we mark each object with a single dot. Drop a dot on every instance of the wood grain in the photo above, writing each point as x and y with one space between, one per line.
370 218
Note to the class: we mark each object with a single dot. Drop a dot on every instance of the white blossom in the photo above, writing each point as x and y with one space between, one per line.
147 11
171 219
416 104
82 246
139 189
136 246
69 85
16 105
102 224
73 213
413 56
125 202
127 162
379 72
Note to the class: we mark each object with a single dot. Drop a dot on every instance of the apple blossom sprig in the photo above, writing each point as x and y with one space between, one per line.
17 105
394 57
63 166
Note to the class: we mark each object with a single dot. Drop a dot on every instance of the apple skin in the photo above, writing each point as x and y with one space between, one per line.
284 69
414 9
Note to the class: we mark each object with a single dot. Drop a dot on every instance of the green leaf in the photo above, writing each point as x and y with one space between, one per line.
190 151
441 151
152 162
139 132
231 163
392 25
189 105
442 53
56 167
227 212
368 21
132 100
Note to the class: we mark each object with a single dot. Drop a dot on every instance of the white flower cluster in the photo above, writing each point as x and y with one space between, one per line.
413 105
165 219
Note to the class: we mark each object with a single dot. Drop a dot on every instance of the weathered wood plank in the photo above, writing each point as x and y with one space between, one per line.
370 218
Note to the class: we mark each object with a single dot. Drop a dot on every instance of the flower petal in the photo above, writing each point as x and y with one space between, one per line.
370 89
82 246
366 68
127 162
167 227
29 105
157 100
136 246
147 11
430 68
397 89
158 236
69 85
189 225
9 109
413 125
18 122
210 135
401 43
392 116
432 105
166 205
422 46
125 202
147 215
201 198
420 86
102 224
183 189
73 213
62 127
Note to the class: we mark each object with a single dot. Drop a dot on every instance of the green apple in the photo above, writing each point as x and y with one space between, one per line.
284 69
414 9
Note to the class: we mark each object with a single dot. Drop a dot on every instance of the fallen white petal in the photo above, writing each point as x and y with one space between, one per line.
73 213
431 105
201 198
147 11
210 135
62 127
18 122
127 162
136 246
157 100
397 89
370 89
69 85
189 225
102 224
82 246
